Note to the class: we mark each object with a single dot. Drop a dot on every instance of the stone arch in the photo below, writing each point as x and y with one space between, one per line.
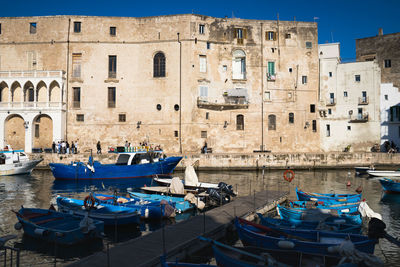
4 96
14 131
41 92
16 92
29 92
42 131
55 92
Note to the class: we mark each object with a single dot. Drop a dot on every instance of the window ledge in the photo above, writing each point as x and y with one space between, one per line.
76 80
111 80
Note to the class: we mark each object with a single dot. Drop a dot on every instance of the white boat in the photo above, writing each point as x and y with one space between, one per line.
384 173
16 162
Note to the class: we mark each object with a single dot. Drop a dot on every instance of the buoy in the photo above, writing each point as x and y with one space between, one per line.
285 244
359 189
18 226
348 183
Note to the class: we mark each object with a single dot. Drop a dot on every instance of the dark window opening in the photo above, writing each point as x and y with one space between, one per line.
111 97
158 106
112 66
312 108
37 130
291 117
304 79
357 78
330 74
288 36
32 28
314 125
176 107
240 122
159 65
203 134
201 28
176 133
77 97
77 26
308 44
0 28
80 117
122 117
208 45
31 95
388 63
113 31
271 122
207 115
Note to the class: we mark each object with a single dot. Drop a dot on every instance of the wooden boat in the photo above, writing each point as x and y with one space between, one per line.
296 215
14 162
377 173
109 214
138 164
57 227
310 225
148 209
314 242
390 185
341 207
301 195
181 205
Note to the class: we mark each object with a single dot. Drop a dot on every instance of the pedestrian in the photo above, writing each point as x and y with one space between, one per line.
126 146
72 147
76 147
67 146
59 147
53 147
98 147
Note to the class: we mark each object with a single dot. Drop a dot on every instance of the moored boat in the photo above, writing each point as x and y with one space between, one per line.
344 207
389 185
340 198
381 173
360 171
181 205
57 227
137 164
14 162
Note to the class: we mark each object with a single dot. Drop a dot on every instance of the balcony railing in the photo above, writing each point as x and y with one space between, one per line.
31 105
32 73
363 100
331 102
225 103
360 118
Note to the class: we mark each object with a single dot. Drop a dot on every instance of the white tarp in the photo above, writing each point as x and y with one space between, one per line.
176 186
191 176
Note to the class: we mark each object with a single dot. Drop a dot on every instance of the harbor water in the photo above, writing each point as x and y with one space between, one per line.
40 190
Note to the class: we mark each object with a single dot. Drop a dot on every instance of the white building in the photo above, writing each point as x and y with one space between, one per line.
390 114
348 102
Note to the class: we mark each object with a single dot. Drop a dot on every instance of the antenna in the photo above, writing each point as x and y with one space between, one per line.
332 36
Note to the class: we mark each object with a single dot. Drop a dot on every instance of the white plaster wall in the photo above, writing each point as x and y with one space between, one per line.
389 129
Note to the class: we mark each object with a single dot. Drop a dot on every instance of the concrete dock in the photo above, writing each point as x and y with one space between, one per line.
181 239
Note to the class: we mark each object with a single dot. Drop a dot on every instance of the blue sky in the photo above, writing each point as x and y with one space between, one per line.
339 21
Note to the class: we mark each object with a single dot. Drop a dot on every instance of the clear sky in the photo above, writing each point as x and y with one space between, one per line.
338 20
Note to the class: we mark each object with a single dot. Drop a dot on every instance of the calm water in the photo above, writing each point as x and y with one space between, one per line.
40 189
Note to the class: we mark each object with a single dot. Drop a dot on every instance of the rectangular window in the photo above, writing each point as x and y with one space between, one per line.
328 130
113 31
176 134
37 130
332 98
76 65
308 44
77 97
32 27
271 122
112 66
203 92
348 128
111 97
270 36
203 134
329 111
77 26
271 68
388 63
290 70
122 117
345 94
208 45
291 117
80 117
267 95
203 63
330 74
303 79
312 108
288 36
386 97
357 78
239 33
0 28
314 125
207 115
201 28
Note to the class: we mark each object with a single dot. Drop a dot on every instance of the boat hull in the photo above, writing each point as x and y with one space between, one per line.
332 198
389 185
82 171
24 167
384 173
181 205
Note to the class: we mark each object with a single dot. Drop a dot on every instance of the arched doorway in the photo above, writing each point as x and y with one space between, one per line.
14 132
42 132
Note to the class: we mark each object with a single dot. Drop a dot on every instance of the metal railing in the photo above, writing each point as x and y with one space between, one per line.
32 73
363 100
31 105
8 257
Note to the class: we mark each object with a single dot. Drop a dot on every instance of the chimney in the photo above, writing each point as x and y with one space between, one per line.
380 32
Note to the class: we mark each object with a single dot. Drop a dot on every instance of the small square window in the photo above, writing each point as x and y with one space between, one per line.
201 28
208 45
176 133
304 79
388 63
288 36
357 78
32 28
308 44
271 36
386 97
80 117
77 26
122 117
330 74
312 108
345 94
203 134
348 128
113 31
290 70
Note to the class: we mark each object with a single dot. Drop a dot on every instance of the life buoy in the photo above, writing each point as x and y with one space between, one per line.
2 156
288 175
89 202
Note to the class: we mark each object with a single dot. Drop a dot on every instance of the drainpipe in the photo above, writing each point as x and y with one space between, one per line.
262 89
180 94
66 91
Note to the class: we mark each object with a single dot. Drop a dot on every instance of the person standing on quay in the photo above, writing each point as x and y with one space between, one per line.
98 147
76 147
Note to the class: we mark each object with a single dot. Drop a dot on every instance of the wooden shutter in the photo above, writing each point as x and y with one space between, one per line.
244 33
274 36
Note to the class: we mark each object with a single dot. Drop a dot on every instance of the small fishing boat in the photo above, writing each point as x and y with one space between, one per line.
301 195
296 215
305 241
311 225
360 171
389 185
139 164
57 227
377 173
341 207
109 214
14 162
181 205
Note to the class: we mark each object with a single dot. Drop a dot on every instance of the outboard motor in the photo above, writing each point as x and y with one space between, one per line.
218 197
228 189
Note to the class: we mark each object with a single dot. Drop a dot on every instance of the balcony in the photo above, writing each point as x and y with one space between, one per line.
360 118
363 100
226 103
32 74
331 102
16 106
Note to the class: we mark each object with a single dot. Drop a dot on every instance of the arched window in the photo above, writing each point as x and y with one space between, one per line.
239 65
159 65
239 122
272 122
291 117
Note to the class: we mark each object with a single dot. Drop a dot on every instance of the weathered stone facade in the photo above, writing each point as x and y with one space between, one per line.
179 81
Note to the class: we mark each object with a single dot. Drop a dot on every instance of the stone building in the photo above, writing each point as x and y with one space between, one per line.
349 102
178 81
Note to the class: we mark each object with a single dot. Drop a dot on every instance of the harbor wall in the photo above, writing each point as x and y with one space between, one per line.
251 161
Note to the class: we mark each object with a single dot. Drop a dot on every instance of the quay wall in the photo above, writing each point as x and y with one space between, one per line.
250 161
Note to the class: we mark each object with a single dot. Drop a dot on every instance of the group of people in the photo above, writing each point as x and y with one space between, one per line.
63 147
144 143
390 147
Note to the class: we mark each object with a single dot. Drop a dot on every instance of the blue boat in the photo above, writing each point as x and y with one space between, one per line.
147 209
389 185
313 242
181 205
333 198
342 208
138 164
310 225
57 227
296 215
109 214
